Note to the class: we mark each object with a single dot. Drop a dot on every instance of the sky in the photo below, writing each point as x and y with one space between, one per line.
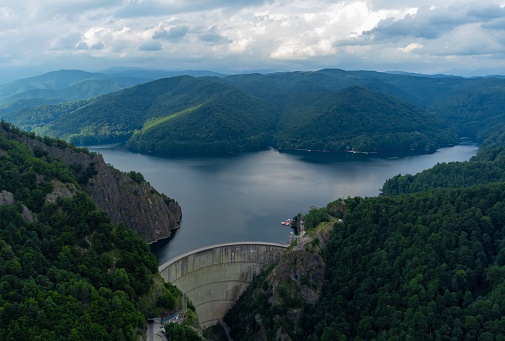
461 37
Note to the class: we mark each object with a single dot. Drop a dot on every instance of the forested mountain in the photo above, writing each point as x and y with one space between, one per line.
58 87
55 80
157 74
423 266
356 119
67 271
173 116
454 99
71 85
487 166
329 109
37 117
225 121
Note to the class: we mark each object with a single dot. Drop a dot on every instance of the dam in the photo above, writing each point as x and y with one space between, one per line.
214 277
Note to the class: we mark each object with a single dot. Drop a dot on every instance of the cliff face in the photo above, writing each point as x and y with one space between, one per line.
135 203
273 305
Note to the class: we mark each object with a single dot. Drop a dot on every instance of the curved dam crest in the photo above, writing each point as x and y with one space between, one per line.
214 277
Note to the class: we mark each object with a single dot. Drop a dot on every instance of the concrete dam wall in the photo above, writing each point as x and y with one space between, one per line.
214 277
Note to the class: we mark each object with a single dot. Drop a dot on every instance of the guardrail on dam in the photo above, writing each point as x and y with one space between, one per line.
214 277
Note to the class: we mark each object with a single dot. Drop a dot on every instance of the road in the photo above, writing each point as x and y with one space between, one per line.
153 330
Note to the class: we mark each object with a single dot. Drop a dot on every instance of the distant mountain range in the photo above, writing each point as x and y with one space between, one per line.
71 85
329 109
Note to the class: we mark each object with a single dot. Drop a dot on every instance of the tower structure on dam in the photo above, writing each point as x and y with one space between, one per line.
214 277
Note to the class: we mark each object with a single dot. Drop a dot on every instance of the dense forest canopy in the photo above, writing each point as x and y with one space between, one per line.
487 166
428 265
329 109
356 119
425 260
65 270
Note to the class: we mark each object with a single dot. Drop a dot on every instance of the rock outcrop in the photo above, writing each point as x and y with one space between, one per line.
60 190
7 198
290 286
135 203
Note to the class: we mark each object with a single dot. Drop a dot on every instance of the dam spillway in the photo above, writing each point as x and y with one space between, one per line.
214 277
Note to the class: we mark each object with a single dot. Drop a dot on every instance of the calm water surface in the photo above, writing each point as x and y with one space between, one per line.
245 197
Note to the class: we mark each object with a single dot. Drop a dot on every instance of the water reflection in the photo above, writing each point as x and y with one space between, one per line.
244 197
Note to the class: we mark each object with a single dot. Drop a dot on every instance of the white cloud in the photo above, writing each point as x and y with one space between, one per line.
411 47
280 34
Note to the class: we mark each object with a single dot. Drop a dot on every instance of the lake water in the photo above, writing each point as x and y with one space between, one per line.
244 197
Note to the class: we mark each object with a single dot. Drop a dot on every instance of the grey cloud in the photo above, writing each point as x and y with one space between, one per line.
157 8
426 23
97 46
82 46
487 12
83 5
213 36
498 24
432 23
72 9
173 33
377 5
151 46
67 42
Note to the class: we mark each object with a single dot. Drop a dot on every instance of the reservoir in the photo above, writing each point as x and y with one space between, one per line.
244 197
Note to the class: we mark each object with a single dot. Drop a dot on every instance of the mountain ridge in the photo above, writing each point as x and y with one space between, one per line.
291 99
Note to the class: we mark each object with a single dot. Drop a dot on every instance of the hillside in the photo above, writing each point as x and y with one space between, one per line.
356 119
59 87
132 202
470 105
73 85
225 121
66 269
171 116
423 266
487 166
329 109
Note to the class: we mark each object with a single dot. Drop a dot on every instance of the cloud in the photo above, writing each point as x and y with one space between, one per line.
486 12
66 42
411 47
81 46
150 46
297 52
426 23
253 34
172 33
154 8
496 24
212 35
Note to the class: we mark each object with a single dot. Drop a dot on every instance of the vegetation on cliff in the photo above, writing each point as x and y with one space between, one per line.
66 271
126 197
428 265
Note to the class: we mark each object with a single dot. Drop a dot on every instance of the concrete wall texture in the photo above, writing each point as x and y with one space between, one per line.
214 277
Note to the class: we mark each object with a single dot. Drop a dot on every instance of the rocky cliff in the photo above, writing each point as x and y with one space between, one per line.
132 202
274 302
